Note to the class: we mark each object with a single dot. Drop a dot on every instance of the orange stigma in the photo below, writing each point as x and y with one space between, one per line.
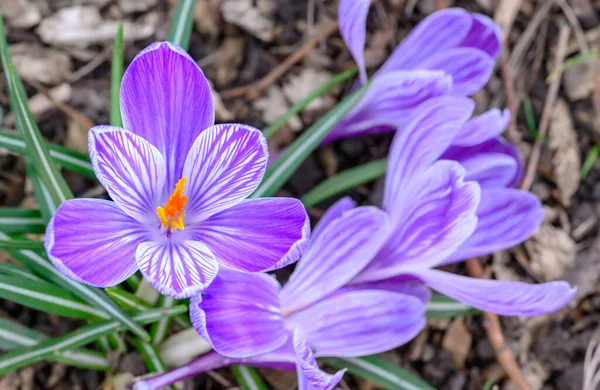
171 213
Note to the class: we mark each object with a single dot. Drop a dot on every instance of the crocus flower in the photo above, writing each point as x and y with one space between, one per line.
251 319
442 214
451 52
179 185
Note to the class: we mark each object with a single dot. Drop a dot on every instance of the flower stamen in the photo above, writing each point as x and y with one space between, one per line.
171 213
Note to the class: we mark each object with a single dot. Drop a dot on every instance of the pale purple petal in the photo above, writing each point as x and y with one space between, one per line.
342 249
224 166
310 376
335 211
427 135
390 100
131 170
178 269
484 35
500 297
166 99
352 15
360 322
481 165
482 128
438 32
402 284
506 217
92 241
239 314
257 234
436 215
470 68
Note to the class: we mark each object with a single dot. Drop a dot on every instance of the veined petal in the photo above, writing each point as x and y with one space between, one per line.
403 284
310 377
166 99
178 269
390 100
440 31
239 314
256 235
484 164
352 15
482 128
483 35
92 241
470 68
506 217
334 211
360 322
427 135
344 247
131 170
436 215
500 297
224 166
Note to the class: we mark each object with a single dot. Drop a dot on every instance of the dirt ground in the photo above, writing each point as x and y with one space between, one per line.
63 47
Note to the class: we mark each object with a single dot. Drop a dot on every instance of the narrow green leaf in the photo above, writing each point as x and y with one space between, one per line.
571 62
287 163
151 357
39 154
17 220
14 335
40 265
529 117
23 357
381 372
160 329
22 244
344 181
65 157
182 21
116 74
46 297
42 195
590 160
441 306
18 271
248 378
337 79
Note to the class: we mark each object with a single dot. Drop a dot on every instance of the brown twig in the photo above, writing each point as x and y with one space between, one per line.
512 99
252 91
492 326
536 151
505 15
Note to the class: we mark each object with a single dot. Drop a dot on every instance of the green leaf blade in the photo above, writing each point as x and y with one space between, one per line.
248 378
116 75
180 29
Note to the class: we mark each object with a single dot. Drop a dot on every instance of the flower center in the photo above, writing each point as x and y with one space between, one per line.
171 213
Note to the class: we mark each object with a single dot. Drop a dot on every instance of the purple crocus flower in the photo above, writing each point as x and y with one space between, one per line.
442 213
251 319
451 52
179 185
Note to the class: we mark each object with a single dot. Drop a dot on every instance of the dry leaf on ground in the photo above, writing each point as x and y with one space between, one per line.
457 340
302 84
131 6
35 62
21 13
273 105
245 15
552 252
578 81
566 159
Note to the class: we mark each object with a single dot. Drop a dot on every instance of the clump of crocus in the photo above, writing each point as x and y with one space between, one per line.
361 286
179 185
451 52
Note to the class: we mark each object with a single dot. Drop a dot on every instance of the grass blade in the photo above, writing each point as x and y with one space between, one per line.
16 220
151 357
47 298
590 160
23 357
381 372
18 271
65 157
116 74
22 244
248 378
14 335
344 181
39 154
39 264
159 330
290 159
324 88
180 30
440 306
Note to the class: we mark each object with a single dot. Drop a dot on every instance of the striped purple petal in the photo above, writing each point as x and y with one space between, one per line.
92 241
482 128
166 99
352 15
131 170
224 166
310 377
178 269
483 35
